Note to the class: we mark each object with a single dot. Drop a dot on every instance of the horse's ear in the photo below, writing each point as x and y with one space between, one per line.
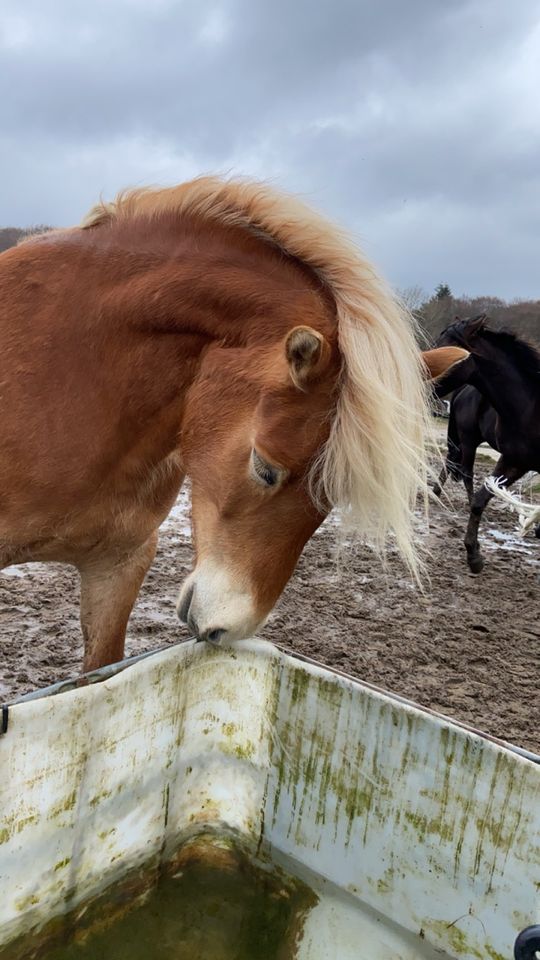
475 325
440 359
306 351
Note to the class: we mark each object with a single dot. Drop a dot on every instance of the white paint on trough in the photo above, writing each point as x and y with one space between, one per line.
420 838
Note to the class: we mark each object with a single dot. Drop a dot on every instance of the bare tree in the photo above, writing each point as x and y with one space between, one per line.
413 298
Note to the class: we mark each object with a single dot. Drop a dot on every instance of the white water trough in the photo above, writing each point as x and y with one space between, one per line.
413 837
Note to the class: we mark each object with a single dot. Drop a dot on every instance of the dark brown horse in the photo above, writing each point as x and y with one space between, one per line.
497 399
216 330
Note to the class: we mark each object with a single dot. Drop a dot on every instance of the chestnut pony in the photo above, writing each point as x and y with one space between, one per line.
216 330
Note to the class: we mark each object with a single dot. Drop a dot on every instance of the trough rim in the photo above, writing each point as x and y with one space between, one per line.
111 670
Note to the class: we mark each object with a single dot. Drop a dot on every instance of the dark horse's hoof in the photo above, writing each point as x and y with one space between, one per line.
476 564
527 944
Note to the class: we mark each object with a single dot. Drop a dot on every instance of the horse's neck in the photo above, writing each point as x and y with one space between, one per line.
509 391
163 297
455 377
209 281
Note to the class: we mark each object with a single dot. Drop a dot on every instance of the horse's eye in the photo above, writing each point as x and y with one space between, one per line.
264 472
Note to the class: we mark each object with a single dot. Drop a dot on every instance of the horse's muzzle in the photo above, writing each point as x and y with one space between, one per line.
183 610
214 608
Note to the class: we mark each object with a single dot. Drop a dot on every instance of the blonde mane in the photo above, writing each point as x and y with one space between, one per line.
374 463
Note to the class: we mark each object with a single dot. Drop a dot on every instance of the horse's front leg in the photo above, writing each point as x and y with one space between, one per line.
479 503
443 476
109 589
467 472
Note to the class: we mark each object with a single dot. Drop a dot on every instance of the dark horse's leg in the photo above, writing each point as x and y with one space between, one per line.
460 465
537 530
443 476
479 502
452 465
463 438
468 454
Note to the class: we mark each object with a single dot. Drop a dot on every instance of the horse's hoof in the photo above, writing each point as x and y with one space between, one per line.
476 564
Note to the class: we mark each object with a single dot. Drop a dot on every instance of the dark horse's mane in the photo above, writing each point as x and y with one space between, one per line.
466 332
525 354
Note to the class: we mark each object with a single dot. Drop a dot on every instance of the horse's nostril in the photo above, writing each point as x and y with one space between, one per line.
184 605
214 636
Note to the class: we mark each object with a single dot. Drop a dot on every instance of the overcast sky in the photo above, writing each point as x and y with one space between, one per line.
415 123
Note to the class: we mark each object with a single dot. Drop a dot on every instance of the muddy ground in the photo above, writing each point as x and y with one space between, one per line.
470 647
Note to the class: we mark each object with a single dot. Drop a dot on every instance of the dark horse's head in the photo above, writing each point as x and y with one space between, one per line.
502 346
462 333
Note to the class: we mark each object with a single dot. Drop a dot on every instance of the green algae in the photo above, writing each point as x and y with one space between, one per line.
226 909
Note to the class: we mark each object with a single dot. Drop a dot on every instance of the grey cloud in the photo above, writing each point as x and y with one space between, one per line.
416 124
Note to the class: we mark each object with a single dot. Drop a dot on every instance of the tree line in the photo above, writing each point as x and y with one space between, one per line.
11 236
435 312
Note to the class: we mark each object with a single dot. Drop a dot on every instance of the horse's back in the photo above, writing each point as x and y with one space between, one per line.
44 369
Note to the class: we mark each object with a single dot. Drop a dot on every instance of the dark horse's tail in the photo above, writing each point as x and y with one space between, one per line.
453 458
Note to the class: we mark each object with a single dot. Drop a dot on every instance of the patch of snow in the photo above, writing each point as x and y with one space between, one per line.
23 570
179 519
500 540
